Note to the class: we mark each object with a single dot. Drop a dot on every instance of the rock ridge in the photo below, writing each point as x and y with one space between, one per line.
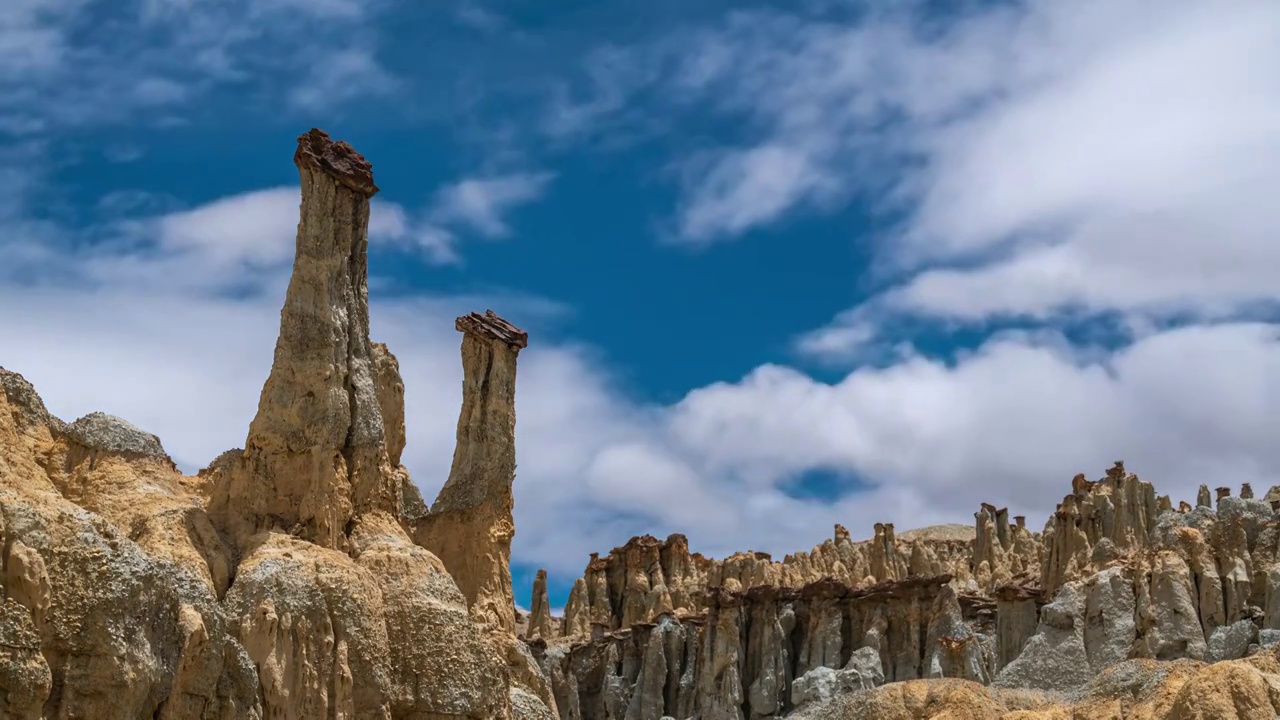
1118 576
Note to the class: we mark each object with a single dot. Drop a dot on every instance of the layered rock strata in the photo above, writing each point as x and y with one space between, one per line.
281 581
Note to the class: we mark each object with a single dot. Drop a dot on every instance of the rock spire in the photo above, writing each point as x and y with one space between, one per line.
316 452
540 608
470 526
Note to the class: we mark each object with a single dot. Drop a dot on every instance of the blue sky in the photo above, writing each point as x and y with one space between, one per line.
783 265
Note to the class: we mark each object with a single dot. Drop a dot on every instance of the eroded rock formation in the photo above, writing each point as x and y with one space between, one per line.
469 525
1118 577
648 577
540 610
304 576
281 581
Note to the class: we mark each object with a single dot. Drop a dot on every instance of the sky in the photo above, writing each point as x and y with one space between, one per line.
783 265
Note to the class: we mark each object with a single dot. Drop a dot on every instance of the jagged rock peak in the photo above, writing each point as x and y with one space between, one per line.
23 395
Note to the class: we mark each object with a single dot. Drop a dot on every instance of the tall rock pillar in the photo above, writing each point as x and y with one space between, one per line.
316 453
470 526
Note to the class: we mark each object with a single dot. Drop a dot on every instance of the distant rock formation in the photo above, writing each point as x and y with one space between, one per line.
1117 576
540 608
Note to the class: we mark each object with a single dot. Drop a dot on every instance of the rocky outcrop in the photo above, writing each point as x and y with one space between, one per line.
470 526
111 611
280 582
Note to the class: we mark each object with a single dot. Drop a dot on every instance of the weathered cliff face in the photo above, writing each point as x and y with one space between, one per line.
281 582
470 526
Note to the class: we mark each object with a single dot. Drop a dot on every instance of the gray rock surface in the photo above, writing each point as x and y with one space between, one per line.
863 672
1228 642
1268 637
1109 628
1055 657
108 433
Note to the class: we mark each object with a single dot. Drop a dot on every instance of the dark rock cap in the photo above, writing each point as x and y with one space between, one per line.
490 326
336 159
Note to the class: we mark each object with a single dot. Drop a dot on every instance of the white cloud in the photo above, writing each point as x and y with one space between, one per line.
746 188
390 223
243 241
254 227
1047 159
481 203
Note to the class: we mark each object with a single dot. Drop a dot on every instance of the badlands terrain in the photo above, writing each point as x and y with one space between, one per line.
303 576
